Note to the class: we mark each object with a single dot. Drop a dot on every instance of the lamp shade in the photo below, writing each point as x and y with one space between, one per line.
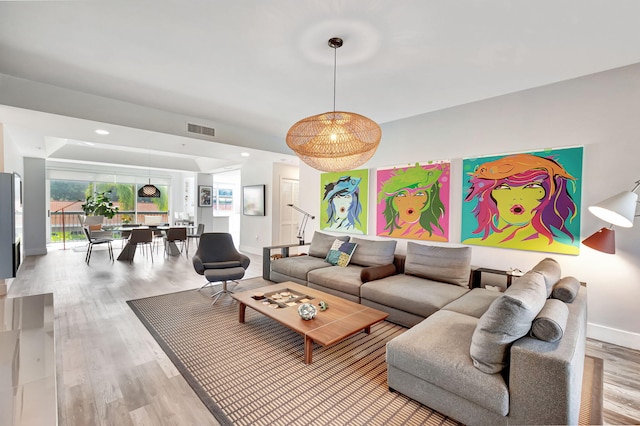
618 210
334 141
603 240
149 191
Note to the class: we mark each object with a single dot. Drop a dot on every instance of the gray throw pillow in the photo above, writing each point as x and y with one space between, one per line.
550 268
445 264
372 252
566 289
321 243
550 323
508 318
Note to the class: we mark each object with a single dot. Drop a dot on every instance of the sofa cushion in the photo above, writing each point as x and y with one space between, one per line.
345 280
437 351
372 252
445 264
418 296
550 268
298 266
508 318
474 303
566 289
550 323
321 243
340 253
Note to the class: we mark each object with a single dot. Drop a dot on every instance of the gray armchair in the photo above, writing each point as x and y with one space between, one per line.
219 261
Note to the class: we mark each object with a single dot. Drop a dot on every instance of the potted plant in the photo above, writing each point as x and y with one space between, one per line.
99 204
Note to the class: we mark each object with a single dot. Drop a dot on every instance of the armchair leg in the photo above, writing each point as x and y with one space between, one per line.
224 290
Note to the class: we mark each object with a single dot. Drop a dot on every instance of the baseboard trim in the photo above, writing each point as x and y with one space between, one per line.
35 252
613 335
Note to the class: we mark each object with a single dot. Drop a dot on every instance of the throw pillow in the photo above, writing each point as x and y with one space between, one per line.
566 290
321 243
550 323
340 253
373 253
508 318
446 264
95 227
550 268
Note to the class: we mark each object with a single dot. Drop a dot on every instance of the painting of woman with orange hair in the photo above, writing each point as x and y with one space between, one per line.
524 201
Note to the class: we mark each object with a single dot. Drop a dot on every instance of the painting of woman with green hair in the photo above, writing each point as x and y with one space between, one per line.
413 202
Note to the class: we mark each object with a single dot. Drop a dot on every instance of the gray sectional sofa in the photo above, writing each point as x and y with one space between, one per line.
476 355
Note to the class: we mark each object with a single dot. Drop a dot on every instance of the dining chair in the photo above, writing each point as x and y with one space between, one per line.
96 241
126 233
174 235
195 236
143 236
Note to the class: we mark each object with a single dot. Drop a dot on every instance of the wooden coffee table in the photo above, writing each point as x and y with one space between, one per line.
343 318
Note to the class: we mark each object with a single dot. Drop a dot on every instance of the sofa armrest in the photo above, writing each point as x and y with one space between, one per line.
372 273
198 265
545 378
266 256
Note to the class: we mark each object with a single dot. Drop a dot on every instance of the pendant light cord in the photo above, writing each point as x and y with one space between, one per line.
335 59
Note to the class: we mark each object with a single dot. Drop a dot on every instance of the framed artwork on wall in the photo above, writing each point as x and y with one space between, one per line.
205 198
413 201
253 200
343 206
524 201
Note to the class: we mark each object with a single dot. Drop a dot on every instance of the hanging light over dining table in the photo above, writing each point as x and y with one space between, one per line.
334 141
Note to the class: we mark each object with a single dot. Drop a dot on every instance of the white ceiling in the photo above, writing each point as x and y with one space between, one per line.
264 65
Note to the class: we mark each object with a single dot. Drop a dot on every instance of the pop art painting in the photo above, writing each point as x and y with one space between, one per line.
528 201
343 207
413 201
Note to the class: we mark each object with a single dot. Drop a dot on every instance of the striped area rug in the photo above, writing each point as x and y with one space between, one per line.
254 374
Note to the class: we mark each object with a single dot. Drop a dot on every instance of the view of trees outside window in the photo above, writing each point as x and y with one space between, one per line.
67 197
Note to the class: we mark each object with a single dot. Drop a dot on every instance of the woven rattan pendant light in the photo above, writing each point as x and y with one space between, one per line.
334 141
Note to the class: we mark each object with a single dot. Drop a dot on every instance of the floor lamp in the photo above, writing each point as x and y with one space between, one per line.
619 210
64 238
303 224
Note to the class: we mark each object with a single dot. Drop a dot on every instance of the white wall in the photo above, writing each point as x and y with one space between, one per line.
256 231
599 112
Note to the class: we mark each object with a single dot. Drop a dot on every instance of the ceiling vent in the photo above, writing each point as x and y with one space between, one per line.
201 130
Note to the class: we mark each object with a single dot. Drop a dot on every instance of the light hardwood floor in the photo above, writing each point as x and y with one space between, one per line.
110 370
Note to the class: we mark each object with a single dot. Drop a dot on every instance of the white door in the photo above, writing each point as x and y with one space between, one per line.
289 218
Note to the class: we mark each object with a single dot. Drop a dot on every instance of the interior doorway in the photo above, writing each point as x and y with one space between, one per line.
289 218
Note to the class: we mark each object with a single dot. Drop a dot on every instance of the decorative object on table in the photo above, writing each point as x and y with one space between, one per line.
307 311
334 141
323 305
303 224
619 210
205 196
253 200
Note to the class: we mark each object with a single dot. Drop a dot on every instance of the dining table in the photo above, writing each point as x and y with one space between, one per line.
128 251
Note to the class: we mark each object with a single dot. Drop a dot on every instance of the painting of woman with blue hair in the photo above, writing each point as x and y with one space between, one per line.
342 208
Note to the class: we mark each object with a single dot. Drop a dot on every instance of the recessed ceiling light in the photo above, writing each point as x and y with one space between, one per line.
102 132
245 154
